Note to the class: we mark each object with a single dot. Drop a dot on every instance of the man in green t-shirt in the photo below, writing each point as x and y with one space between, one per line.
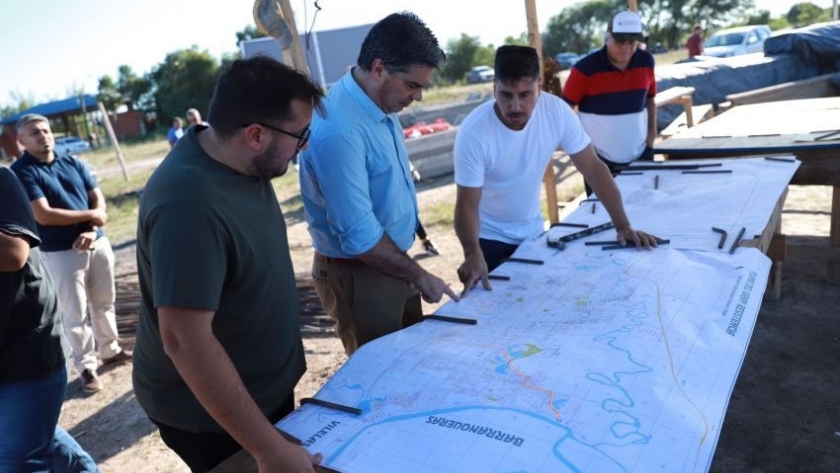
219 349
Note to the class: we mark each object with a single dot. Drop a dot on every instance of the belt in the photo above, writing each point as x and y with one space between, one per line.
345 261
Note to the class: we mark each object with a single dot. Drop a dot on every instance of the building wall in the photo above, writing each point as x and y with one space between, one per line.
128 124
329 54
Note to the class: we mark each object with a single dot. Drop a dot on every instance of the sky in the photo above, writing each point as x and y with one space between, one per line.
53 47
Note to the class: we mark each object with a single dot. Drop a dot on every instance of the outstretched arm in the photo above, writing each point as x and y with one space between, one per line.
474 268
598 176
385 257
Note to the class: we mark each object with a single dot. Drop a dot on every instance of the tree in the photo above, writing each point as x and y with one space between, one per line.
249 32
183 80
762 17
806 13
580 27
460 57
134 90
108 94
671 21
19 103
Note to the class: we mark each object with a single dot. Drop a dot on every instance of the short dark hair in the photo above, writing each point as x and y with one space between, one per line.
400 40
516 62
258 89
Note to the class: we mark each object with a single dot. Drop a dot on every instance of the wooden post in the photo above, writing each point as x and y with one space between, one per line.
298 58
113 137
548 178
632 5
834 235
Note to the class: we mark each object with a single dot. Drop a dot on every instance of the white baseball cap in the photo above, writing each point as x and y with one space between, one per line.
626 25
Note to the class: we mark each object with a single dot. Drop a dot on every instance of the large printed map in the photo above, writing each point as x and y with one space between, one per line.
597 361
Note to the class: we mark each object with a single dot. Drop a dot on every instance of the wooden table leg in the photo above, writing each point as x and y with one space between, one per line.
551 193
833 275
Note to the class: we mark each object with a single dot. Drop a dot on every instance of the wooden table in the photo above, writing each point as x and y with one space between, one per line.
243 462
808 129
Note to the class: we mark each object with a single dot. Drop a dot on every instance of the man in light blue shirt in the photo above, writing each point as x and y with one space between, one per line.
357 187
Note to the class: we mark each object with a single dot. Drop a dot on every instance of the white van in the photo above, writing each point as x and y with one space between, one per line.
736 41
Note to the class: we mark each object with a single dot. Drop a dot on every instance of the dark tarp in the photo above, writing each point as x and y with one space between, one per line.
714 79
799 54
816 45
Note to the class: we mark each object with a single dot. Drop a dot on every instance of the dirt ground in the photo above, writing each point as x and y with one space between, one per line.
784 415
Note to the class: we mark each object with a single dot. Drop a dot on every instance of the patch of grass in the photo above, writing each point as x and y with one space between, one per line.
123 199
671 57
452 93
441 213
105 157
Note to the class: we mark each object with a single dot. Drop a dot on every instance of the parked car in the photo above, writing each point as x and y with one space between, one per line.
567 60
70 145
736 41
480 74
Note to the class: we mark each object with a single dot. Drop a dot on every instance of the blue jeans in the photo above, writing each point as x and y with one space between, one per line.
30 439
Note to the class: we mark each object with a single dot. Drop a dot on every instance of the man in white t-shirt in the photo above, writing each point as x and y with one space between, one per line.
501 152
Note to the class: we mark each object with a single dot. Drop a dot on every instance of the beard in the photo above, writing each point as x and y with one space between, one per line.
267 166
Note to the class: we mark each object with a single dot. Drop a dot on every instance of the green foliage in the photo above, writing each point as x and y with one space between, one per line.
249 32
671 21
459 57
183 80
579 28
779 23
20 103
462 54
806 13
108 94
522 40
762 17
134 90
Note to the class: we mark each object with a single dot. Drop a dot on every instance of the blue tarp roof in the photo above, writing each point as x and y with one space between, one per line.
51 109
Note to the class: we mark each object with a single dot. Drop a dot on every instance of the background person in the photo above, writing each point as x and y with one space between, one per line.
70 211
501 152
428 246
357 189
194 117
33 373
219 349
614 90
695 42
175 132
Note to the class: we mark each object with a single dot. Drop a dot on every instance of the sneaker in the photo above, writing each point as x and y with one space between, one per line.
430 247
90 382
124 355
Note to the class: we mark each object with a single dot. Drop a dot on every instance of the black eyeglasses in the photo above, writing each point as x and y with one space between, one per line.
302 138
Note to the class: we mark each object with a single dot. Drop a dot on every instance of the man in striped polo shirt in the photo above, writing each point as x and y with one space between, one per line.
614 89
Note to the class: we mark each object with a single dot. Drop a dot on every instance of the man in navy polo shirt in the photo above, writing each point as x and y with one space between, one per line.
614 90
69 210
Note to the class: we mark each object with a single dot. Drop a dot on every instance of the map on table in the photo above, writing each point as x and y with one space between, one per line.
682 207
596 361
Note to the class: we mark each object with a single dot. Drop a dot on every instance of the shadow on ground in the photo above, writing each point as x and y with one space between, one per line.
784 415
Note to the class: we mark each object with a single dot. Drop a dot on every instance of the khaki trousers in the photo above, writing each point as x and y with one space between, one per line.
365 303
85 279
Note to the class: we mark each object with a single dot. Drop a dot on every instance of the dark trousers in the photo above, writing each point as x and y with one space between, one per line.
421 232
203 451
615 168
495 251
